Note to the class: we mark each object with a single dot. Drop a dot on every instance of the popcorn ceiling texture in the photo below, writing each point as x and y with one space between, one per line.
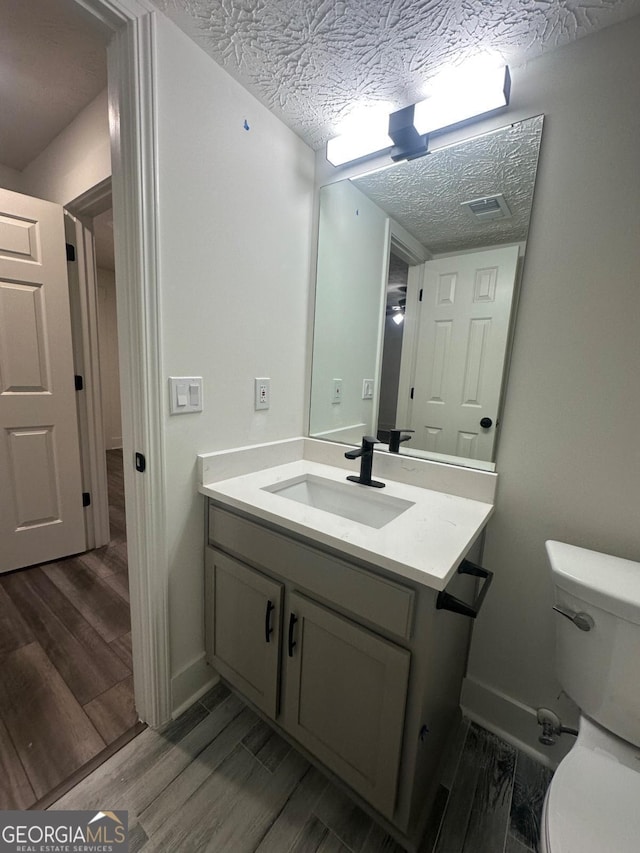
422 197
312 61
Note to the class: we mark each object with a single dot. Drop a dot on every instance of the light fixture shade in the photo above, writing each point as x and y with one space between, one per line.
465 99
369 137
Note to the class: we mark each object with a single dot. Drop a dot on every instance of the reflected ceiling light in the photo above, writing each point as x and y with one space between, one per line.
398 317
406 131
465 97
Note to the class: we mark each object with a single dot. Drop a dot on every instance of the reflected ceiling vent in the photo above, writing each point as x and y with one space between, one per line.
487 209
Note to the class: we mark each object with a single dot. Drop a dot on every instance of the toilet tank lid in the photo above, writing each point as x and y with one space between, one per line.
608 582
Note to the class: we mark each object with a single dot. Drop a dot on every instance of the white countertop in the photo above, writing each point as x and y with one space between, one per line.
424 544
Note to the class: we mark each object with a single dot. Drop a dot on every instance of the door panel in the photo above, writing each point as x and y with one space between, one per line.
23 354
462 339
41 514
242 606
33 476
345 699
18 237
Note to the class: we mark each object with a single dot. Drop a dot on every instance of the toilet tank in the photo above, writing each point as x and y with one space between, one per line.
599 668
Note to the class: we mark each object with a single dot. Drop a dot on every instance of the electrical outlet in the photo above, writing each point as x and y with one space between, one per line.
262 393
336 390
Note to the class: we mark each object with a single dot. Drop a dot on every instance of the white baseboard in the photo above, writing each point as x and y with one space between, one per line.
192 682
512 721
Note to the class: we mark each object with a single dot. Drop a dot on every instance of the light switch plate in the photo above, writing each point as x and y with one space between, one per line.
185 394
336 390
367 389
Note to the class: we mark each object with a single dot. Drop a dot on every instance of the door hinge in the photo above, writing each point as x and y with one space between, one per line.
71 251
411 394
420 296
141 462
86 499
79 382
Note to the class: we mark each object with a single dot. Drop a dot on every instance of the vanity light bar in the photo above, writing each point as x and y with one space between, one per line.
407 129
465 98
368 138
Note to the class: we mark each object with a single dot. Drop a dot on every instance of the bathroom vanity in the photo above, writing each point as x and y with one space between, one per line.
328 625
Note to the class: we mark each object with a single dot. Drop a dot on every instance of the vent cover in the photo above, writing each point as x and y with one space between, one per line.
488 208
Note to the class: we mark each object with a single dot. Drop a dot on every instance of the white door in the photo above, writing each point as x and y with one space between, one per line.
41 513
462 339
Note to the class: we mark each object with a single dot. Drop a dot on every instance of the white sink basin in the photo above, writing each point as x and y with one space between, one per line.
348 500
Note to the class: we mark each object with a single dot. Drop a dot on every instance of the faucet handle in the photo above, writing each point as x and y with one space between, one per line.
368 442
396 436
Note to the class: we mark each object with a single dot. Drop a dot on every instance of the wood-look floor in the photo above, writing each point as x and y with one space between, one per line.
66 687
218 779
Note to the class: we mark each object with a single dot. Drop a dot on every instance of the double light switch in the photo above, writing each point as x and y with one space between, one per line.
185 394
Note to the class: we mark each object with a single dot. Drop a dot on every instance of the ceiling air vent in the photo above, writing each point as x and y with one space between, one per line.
488 208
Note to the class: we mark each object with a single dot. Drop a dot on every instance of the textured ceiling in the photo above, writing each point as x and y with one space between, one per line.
52 64
423 198
312 61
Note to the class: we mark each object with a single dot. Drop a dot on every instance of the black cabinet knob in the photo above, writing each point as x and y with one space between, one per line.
485 423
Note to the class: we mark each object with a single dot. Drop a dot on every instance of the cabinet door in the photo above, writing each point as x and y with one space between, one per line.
243 616
345 698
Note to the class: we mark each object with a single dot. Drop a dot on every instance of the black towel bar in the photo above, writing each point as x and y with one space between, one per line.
446 601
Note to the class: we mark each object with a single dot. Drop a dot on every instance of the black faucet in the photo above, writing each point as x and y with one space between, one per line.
366 462
396 436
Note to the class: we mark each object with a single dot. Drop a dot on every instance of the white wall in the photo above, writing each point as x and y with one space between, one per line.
76 160
351 273
235 211
11 179
568 458
109 365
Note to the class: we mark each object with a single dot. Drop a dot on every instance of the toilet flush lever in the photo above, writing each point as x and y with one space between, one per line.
580 620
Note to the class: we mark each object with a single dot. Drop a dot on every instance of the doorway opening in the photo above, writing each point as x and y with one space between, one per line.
66 679
66 673
129 29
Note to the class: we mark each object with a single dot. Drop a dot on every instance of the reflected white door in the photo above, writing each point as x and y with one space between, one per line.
41 514
462 340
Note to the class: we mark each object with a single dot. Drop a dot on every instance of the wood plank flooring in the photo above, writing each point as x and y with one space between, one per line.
66 687
218 779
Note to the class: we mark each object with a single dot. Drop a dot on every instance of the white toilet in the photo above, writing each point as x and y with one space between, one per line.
593 802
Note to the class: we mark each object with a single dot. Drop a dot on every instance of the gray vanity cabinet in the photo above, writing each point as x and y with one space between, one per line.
359 668
244 610
345 698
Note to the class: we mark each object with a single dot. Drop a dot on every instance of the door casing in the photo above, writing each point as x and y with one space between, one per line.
132 110
84 334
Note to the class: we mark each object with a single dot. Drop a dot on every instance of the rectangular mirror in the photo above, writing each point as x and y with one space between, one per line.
417 279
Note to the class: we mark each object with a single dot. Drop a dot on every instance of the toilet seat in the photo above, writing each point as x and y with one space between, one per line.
592 805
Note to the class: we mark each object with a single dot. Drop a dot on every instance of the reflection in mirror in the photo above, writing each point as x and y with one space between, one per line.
418 270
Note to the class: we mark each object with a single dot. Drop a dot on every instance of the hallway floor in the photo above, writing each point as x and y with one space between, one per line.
218 779
66 688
